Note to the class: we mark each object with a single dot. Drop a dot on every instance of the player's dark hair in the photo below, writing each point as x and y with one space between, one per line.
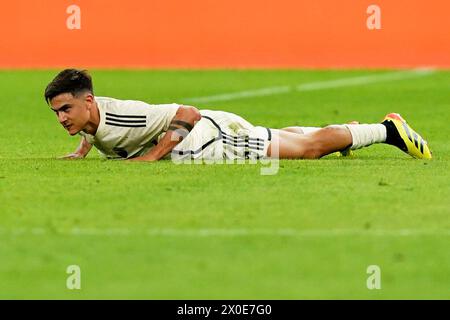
69 81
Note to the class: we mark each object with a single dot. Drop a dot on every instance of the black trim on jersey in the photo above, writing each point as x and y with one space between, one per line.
236 143
126 121
215 124
241 138
224 136
126 125
242 145
125 116
269 134
181 153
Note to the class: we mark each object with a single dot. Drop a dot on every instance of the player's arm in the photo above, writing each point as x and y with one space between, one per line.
183 122
81 152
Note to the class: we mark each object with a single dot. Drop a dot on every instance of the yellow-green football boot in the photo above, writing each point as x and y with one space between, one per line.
401 135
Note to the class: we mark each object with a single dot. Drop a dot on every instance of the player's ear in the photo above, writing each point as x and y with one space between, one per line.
89 98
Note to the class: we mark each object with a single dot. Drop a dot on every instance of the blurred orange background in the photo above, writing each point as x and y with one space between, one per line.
224 34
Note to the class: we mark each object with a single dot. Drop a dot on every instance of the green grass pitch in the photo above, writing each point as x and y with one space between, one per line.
222 225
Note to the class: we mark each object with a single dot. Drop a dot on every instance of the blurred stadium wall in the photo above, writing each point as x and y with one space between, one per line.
224 33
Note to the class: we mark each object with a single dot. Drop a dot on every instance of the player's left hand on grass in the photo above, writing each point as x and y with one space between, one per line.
72 156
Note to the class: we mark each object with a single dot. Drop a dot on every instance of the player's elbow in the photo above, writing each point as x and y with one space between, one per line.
190 114
196 116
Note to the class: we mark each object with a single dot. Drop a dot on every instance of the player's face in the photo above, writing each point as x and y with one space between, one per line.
73 113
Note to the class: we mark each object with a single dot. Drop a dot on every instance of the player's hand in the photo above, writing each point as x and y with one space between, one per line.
74 155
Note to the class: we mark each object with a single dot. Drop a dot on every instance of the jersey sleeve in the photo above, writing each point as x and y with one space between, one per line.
131 124
159 116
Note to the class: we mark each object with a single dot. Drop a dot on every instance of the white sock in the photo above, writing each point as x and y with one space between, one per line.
366 134
307 130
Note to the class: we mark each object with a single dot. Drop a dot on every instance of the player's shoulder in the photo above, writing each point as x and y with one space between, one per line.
108 104
116 105
118 102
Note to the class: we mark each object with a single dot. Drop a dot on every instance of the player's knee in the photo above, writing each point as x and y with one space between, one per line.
335 127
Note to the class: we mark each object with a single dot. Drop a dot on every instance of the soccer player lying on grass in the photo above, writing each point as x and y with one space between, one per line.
143 132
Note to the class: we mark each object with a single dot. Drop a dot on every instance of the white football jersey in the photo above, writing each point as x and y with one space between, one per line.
129 128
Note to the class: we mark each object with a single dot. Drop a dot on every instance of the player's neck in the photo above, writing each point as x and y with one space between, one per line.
94 121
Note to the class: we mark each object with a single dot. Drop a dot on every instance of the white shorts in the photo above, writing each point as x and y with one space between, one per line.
223 135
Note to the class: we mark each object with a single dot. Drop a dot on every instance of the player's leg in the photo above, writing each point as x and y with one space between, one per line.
393 130
290 145
306 130
301 130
